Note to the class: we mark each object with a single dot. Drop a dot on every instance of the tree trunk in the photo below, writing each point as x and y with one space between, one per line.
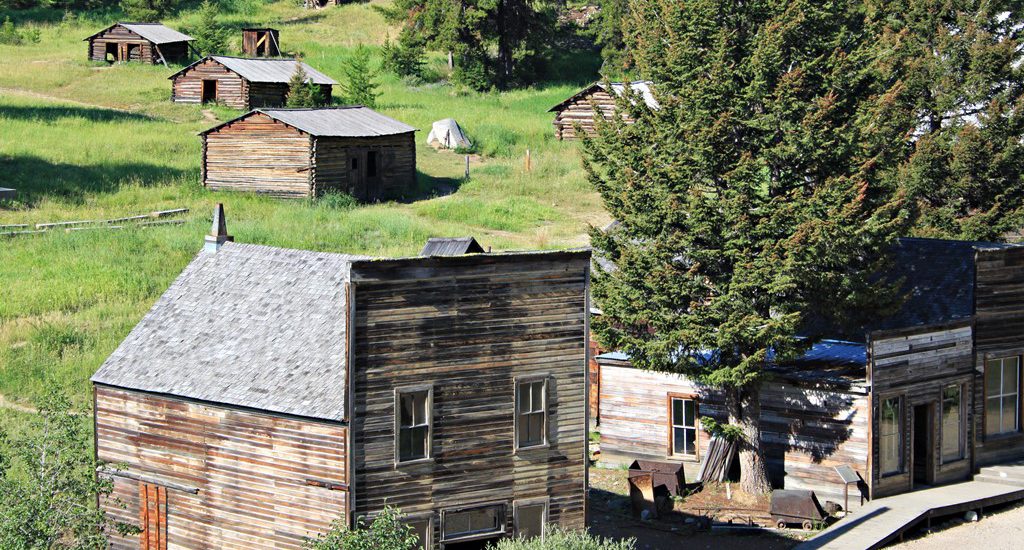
745 411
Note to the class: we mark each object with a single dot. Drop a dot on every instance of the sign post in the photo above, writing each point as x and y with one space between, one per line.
848 476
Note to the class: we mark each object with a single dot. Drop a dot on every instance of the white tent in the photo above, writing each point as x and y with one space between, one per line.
448 134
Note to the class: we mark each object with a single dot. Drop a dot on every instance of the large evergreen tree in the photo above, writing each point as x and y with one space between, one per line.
764 191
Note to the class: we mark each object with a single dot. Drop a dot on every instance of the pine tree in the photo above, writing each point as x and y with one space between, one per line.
301 91
360 86
609 34
211 37
762 192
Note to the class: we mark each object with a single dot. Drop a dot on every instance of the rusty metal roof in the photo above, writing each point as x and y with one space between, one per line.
269 70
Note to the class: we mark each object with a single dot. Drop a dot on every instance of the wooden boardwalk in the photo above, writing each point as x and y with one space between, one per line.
886 519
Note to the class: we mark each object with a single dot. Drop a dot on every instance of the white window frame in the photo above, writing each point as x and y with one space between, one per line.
672 397
546 410
516 505
429 449
900 428
1002 396
961 424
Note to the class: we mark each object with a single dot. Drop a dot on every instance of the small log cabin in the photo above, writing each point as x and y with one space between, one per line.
596 99
261 42
923 397
242 83
270 391
145 42
296 153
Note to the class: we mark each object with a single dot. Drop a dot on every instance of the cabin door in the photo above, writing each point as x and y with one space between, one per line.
209 91
152 517
357 174
111 52
924 443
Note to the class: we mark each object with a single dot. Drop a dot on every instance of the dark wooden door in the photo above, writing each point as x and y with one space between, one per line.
924 439
152 517
357 173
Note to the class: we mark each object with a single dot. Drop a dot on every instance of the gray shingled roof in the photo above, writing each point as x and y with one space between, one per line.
156 33
270 70
251 326
355 121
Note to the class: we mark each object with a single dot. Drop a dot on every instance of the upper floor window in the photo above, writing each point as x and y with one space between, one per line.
414 419
1002 395
890 436
531 413
683 425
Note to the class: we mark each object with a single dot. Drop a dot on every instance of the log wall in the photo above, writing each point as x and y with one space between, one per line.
174 52
806 431
999 332
232 90
230 478
915 365
582 111
332 169
468 327
258 154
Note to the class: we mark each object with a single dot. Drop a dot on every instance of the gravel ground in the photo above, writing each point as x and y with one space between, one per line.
1003 530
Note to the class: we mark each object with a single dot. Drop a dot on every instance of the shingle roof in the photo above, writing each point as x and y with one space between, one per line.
250 326
353 121
154 32
643 87
270 70
451 246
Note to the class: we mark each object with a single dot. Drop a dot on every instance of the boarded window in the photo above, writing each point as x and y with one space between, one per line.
472 522
684 426
1002 392
530 520
414 425
531 413
952 422
152 516
423 529
890 446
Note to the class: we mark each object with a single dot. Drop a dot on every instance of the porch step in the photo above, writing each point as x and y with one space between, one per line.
1006 475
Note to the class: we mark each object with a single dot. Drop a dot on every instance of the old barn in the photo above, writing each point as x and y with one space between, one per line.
595 100
145 42
242 83
270 391
923 397
261 42
305 152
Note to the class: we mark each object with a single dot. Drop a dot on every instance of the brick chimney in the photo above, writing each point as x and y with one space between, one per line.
219 232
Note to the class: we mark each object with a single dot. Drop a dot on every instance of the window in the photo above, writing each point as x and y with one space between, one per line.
355 163
684 425
890 440
952 431
530 519
472 522
371 164
424 530
413 424
1002 391
531 413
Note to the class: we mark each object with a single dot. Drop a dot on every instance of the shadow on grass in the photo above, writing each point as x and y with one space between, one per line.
429 187
35 178
55 112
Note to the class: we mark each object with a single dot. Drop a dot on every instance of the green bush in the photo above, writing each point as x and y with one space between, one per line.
336 200
560 539
386 532
10 35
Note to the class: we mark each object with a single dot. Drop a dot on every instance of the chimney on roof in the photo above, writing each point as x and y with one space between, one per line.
219 232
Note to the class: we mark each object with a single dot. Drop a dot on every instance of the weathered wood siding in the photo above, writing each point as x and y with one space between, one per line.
916 364
173 52
468 327
582 111
232 90
258 154
999 332
397 175
250 470
251 46
806 431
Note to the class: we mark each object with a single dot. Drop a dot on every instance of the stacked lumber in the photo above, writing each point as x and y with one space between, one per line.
717 460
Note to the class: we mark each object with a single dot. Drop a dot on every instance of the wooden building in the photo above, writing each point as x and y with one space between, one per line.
145 42
595 100
921 397
270 391
262 42
242 83
305 152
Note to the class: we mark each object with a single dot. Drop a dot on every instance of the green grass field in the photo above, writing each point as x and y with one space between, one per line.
81 140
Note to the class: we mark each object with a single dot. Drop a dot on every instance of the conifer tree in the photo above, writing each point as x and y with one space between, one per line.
763 192
301 91
360 86
210 36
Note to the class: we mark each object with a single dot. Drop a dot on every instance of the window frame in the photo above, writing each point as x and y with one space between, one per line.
427 517
901 462
546 410
502 528
984 409
696 425
961 424
429 447
516 505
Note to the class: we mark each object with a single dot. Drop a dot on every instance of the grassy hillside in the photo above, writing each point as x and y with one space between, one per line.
81 140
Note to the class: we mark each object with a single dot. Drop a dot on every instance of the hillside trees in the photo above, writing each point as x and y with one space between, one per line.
147 10
609 34
301 91
211 37
764 191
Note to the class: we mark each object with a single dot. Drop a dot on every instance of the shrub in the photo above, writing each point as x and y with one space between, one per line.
10 35
336 200
561 539
386 532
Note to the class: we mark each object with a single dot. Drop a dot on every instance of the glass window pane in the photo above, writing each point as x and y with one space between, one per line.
1009 377
455 523
421 528
691 413
420 410
536 429
530 521
538 396
678 417
406 406
992 415
524 398
1009 416
679 441
404 444
993 373
691 441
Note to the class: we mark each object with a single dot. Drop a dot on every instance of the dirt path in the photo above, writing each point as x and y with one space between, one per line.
38 95
1002 530
208 115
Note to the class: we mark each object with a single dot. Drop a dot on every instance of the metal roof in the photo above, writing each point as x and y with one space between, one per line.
353 121
156 33
248 325
451 246
643 87
269 70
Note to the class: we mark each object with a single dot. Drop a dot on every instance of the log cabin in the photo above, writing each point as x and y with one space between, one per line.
270 391
597 99
145 42
261 42
298 153
242 83
921 397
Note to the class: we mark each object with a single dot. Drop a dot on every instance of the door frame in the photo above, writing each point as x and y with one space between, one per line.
929 452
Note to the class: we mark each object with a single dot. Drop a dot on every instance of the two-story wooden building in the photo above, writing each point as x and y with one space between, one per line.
921 397
270 391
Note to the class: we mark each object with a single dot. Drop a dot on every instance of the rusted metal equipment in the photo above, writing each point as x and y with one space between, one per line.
652 484
791 506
